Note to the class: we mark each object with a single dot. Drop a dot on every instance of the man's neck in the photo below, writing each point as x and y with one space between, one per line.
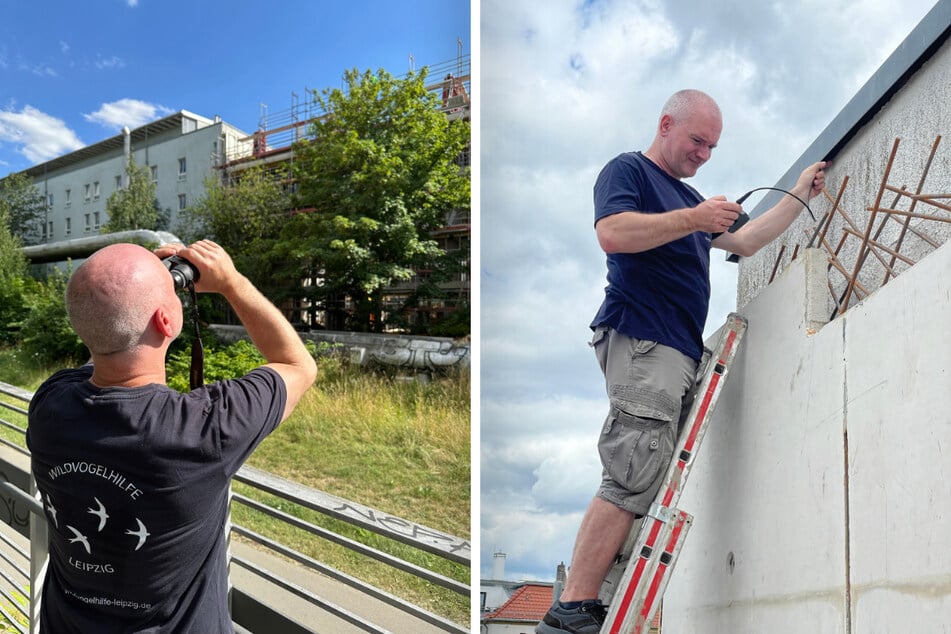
125 370
654 157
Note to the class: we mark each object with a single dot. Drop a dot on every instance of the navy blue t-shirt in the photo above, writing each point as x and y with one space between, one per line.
134 482
661 294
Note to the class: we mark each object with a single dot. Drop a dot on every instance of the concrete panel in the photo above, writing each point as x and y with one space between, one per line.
767 547
898 344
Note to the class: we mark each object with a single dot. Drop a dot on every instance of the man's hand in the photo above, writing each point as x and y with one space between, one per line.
812 180
217 273
715 215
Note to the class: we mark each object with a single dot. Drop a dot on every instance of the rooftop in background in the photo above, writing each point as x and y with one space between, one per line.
528 603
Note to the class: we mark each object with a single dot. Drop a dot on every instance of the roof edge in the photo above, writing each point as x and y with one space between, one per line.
916 49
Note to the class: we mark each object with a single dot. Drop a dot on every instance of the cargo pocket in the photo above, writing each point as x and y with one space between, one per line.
634 449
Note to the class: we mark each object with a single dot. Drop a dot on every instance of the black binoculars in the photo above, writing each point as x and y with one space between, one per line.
182 271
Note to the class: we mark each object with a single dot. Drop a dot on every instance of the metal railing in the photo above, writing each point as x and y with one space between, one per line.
249 613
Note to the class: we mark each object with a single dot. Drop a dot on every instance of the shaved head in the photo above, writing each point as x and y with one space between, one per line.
112 296
683 103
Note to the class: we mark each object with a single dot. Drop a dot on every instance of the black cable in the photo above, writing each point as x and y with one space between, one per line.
740 200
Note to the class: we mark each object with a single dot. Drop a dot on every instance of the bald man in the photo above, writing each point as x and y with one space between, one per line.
133 475
656 232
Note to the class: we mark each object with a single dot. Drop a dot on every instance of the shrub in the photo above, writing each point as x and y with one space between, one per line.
45 332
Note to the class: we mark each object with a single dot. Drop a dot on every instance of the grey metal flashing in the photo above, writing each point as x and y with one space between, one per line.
920 45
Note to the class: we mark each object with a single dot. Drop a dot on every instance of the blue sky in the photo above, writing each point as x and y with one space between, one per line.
73 73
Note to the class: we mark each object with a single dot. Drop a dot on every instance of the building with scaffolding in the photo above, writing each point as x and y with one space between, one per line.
273 148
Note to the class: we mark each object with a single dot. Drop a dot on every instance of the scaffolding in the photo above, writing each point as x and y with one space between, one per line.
278 132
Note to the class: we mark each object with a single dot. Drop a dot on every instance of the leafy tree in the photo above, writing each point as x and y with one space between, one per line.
24 207
378 176
13 281
135 206
244 217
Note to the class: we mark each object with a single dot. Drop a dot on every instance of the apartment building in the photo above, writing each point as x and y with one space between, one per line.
180 150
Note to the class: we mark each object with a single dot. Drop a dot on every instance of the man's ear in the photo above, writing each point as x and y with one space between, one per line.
164 323
665 124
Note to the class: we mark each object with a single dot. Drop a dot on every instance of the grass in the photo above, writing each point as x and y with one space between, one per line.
399 447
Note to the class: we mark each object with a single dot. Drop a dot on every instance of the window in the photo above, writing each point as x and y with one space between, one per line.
182 168
118 182
86 225
49 229
69 226
95 190
86 191
182 202
154 169
68 191
95 221
49 200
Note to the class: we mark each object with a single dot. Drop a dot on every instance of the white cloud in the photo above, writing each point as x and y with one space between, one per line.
39 136
40 70
127 112
565 88
109 62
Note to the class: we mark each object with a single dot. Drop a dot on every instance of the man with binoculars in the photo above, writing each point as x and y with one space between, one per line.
134 476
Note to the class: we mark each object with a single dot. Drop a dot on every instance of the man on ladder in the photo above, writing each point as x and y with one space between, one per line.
657 232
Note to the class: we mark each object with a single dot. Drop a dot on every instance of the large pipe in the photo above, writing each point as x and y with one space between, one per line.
84 247
127 153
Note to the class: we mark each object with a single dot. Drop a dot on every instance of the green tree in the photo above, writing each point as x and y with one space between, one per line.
378 176
135 206
13 267
244 217
24 207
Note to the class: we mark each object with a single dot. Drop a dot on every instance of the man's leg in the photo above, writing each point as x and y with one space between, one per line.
600 537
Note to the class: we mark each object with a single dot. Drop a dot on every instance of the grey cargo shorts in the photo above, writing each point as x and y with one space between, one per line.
648 385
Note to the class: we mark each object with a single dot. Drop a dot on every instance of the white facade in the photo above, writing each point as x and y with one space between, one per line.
181 151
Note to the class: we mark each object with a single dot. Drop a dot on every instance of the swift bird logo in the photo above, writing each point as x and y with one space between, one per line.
52 511
141 533
101 513
79 537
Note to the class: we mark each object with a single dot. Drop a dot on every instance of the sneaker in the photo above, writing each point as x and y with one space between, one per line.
586 619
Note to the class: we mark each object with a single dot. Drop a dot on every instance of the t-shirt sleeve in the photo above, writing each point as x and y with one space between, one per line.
618 188
248 409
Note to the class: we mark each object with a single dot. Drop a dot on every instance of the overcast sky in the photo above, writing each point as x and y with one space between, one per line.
566 86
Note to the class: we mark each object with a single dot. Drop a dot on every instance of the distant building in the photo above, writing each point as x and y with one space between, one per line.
521 612
180 151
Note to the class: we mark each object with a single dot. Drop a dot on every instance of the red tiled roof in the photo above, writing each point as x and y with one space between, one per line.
530 602
527 603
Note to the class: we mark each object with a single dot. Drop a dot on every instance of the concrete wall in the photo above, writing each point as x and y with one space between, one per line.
917 114
822 492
